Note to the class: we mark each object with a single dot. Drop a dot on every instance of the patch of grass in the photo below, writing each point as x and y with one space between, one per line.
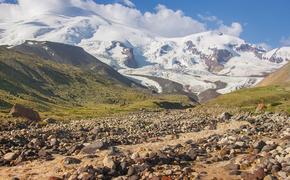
276 98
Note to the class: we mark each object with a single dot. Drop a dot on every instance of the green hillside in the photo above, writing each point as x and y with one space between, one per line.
65 91
276 98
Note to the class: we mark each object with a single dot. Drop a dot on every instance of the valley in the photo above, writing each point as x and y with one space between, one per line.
101 90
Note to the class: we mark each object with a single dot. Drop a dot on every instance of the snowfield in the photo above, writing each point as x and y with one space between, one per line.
196 61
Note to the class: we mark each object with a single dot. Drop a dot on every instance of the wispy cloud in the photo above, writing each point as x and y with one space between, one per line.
213 19
128 3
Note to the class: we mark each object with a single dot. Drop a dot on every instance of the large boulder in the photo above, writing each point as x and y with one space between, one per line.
21 111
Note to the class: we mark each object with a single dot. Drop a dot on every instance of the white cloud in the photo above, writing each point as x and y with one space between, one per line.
128 3
285 41
163 21
235 29
28 8
171 23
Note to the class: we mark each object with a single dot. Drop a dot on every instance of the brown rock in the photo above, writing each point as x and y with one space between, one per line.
21 111
85 176
269 177
54 178
10 156
109 162
248 176
260 107
259 173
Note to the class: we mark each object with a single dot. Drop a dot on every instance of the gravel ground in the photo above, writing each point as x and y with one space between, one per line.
148 145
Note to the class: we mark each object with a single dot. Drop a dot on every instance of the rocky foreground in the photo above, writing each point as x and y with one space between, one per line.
148 145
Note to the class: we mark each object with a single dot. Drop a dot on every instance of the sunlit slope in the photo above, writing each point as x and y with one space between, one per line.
65 90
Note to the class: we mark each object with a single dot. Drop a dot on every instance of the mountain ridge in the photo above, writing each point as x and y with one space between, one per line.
196 61
72 55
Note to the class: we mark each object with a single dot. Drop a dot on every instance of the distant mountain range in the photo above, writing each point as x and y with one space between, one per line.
200 63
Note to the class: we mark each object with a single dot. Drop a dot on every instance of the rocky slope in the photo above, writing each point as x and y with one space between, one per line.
161 145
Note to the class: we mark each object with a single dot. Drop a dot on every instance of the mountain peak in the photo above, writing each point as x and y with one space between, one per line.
197 61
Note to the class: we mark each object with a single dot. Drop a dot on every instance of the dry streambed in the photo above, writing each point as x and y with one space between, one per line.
168 145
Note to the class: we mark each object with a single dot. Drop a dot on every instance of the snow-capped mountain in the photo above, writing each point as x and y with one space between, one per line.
198 62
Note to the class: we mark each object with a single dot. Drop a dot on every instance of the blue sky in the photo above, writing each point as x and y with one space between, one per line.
263 21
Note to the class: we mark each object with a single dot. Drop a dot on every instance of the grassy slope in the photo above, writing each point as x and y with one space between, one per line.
277 98
66 91
273 91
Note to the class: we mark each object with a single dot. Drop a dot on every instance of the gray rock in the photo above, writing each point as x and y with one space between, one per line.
92 148
269 147
225 116
240 144
275 169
